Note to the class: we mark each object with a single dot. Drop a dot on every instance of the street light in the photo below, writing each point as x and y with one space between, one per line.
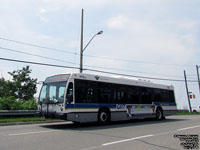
82 50
100 32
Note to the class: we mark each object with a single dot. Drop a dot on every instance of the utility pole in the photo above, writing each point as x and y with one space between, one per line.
188 96
198 76
81 47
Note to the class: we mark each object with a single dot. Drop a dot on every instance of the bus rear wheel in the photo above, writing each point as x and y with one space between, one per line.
103 116
159 114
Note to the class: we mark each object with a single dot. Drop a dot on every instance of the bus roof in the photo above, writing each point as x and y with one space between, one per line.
117 80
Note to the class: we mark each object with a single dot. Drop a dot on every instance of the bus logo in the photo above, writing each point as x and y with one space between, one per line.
120 106
97 77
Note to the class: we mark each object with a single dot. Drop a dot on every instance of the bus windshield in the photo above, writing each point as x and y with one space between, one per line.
53 92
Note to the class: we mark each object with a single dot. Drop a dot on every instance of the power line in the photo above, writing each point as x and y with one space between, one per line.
36 63
98 57
38 46
50 58
133 71
93 70
137 61
114 73
12 50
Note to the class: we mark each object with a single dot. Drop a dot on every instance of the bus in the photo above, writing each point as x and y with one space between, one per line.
80 97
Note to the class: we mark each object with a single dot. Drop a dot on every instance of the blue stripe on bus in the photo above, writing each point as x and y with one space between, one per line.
90 105
164 104
113 105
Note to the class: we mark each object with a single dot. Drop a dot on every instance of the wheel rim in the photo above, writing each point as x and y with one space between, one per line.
103 117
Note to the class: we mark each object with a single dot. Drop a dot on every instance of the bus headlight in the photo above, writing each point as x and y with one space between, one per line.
61 108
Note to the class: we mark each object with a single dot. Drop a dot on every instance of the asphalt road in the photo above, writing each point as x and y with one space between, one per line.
138 134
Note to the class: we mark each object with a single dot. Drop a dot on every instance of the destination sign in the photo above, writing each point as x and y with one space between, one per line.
57 78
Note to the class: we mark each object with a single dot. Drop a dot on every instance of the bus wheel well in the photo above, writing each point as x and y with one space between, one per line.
104 115
159 113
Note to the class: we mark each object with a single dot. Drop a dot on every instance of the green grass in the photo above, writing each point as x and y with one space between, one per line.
23 119
188 113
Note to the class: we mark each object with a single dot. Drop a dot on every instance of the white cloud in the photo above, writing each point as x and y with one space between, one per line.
118 22
43 10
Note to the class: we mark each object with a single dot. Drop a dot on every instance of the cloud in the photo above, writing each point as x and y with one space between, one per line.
43 10
118 22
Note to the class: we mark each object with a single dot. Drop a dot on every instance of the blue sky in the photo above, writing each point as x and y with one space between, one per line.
160 38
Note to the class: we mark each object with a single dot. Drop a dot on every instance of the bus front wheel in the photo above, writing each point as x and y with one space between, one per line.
103 116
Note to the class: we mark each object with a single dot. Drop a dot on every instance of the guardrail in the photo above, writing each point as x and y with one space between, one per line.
18 112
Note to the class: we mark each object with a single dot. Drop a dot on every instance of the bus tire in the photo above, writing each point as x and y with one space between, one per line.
103 116
159 113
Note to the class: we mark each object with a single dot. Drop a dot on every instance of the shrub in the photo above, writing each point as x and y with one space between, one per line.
10 103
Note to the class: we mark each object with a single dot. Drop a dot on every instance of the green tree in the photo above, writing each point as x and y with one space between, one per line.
6 88
23 86
9 103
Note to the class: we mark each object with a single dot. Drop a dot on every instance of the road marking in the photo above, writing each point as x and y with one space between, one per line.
188 128
131 139
25 133
90 148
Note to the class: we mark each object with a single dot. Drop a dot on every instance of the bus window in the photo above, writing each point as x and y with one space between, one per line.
136 95
52 93
157 95
43 94
61 91
69 96
104 93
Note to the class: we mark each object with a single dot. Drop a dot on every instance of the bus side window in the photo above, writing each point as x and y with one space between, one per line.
69 95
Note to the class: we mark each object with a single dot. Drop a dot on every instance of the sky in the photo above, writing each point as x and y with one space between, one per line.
147 38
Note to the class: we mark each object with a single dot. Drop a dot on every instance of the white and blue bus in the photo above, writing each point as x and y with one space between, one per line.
82 97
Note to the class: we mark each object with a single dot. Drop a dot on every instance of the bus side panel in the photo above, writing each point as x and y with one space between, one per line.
169 110
82 117
93 116
119 116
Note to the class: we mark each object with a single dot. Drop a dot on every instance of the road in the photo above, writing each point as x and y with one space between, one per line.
137 134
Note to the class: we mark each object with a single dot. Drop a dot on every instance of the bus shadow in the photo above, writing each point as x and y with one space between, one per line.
116 124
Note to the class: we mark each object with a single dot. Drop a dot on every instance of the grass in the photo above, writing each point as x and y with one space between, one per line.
23 119
188 113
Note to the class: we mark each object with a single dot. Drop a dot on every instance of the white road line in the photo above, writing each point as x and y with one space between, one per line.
131 139
140 137
188 128
25 133
90 148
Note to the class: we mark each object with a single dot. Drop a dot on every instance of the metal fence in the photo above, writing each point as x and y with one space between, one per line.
18 112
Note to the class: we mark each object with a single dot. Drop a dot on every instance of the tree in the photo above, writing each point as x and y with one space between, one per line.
23 86
6 88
